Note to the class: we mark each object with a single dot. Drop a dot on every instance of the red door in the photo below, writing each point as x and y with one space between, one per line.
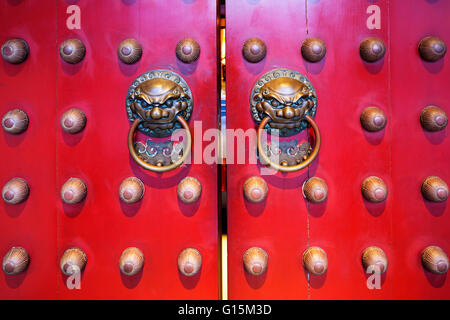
82 211
354 224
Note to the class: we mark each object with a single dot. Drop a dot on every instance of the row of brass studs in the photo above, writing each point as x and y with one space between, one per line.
72 51
74 260
432 118
74 190
371 49
372 119
373 189
315 260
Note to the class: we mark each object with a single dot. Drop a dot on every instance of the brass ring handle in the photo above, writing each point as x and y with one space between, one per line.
150 167
299 166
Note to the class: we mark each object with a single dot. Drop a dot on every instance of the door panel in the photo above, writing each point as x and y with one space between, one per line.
102 225
402 153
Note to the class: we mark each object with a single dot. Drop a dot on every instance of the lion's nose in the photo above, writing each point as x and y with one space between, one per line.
288 112
156 113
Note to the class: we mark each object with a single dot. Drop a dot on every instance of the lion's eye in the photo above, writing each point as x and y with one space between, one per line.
175 91
305 89
275 103
169 103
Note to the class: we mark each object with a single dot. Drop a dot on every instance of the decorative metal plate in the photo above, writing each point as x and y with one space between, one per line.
286 96
158 97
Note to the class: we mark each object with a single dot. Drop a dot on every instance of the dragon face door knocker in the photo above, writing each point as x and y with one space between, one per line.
158 103
284 100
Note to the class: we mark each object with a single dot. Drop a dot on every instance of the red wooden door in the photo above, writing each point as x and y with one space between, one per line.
402 154
160 225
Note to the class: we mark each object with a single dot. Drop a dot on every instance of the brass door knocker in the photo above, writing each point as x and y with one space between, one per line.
158 103
284 100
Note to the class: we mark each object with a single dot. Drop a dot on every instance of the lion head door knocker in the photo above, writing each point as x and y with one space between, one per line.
285 100
158 103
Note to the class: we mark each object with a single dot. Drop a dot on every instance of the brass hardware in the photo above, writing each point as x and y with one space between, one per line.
372 49
15 51
255 261
131 190
374 189
131 261
433 118
129 51
15 191
313 49
254 50
72 51
159 102
284 100
73 191
373 119
315 260
15 261
73 261
189 190
435 260
283 168
374 256
434 189
15 121
189 262
315 190
255 189
289 153
432 49
73 121
187 50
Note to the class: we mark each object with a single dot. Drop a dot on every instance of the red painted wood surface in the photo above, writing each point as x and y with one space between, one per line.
416 153
31 155
160 225
402 154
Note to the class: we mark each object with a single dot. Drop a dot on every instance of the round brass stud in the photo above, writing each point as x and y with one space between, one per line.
372 49
15 261
433 118
73 121
255 189
435 260
15 121
313 49
315 260
73 261
187 50
131 190
73 191
432 49
374 189
72 51
15 191
374 257
189 190
129 51
255 261
15 51
254 50
131 261
315 190
434 189
373 119
189 262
